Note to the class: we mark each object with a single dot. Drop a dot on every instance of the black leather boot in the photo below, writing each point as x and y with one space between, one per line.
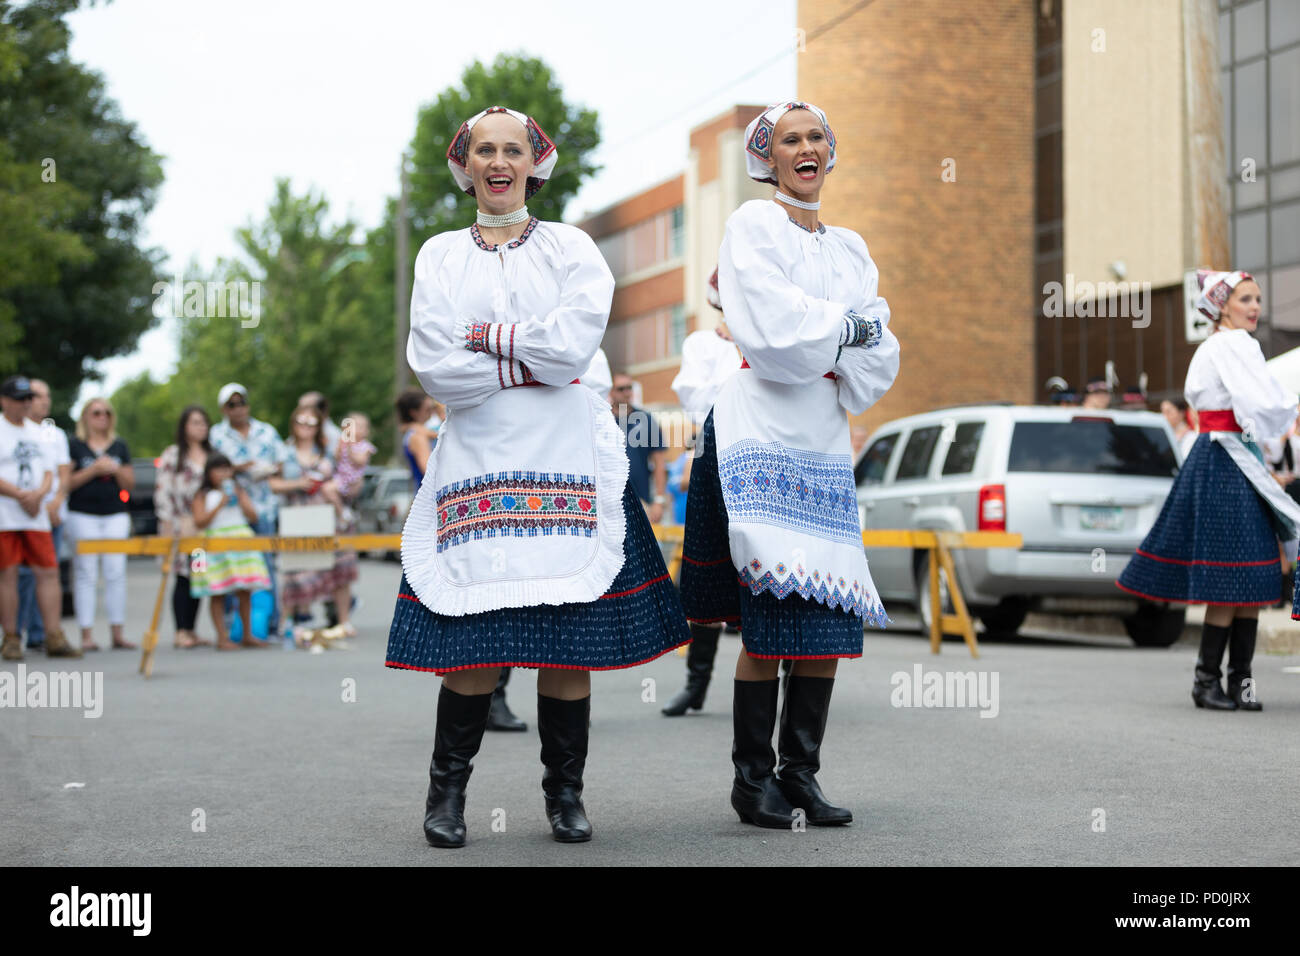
803 725
755 795
562 725
500 717
699 668
1206 691
461 720
1241 649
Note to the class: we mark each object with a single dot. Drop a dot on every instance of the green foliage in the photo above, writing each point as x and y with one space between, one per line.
75 286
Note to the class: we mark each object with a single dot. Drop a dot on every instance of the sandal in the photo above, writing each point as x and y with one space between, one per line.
185 643
125 646
92 646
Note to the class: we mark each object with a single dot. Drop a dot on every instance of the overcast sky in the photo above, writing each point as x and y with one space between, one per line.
238 93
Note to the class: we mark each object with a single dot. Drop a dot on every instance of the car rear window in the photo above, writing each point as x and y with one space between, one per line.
1095 446
960 459
916 453
871 467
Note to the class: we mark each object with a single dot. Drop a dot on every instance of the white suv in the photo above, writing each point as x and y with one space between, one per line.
1082 487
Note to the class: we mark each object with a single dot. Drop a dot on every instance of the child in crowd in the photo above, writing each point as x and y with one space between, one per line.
222 509
353 456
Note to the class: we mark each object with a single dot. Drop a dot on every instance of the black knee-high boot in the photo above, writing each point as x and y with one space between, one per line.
461 721
1241 649
1206 691
699 668
563 726
803 725
755 795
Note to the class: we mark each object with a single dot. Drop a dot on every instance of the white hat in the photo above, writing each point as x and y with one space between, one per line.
1216 288
758 140
544 154
230 388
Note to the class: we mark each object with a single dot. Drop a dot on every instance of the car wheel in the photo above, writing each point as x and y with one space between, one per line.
1005 619
923 592
1155 625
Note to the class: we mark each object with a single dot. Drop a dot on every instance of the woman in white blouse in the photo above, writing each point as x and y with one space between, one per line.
772 499
1216 541
525 546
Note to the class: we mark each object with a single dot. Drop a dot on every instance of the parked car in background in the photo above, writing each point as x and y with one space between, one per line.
386 495
139 501
1083 488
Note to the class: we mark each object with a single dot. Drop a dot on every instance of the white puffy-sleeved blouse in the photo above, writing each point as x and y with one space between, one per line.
781 429
1228 372
708 360
521 504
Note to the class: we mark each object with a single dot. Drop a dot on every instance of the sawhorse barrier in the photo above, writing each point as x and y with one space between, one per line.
940 544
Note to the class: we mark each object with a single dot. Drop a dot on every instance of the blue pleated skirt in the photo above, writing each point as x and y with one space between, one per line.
638 619
789 628
1214 542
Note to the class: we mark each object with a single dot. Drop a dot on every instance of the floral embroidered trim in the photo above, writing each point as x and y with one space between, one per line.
512 244
861 330
515 504
476 336
821 227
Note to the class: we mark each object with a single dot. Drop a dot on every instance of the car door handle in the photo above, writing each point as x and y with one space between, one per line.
913 502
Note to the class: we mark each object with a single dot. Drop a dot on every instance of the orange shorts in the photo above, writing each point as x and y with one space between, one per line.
32 548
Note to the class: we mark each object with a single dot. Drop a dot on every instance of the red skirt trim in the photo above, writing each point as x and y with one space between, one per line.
1209 564
1165 600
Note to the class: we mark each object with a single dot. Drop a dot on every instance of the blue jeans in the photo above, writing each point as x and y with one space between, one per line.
265 525
29 611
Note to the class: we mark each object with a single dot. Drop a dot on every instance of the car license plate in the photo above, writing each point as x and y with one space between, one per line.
1101 519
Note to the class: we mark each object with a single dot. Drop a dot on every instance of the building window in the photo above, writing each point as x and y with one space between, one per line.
645 244
649 337
678 245
678 328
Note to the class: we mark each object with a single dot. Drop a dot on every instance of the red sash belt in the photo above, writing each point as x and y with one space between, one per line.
831 375
1217 420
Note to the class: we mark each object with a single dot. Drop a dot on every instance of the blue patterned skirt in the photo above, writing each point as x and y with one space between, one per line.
790 628
1214 542
636 620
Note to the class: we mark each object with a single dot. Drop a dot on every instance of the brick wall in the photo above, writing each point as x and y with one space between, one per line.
907 84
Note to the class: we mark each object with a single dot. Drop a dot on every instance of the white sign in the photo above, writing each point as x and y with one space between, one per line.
1198 326
296 520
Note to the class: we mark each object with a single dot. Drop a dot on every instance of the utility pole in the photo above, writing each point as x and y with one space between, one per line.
401 292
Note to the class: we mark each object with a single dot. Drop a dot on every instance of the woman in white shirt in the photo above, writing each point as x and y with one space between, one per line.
1216 541
772 499
525 546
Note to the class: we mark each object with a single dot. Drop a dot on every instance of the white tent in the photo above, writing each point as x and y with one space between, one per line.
1286 369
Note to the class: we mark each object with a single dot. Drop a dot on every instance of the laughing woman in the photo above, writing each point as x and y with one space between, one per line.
525 546
772 496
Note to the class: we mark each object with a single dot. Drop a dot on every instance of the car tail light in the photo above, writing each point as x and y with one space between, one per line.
124 495
993 508
392 512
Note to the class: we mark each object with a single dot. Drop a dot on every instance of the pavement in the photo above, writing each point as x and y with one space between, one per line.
1095 756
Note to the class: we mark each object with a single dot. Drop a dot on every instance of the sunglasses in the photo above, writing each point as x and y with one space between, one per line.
99 411
236 403
621 388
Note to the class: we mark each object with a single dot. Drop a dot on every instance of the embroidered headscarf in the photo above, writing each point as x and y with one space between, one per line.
758 140
544 154
1216 287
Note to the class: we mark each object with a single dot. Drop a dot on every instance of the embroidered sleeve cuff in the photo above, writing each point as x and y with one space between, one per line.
860 330
512 373
495 337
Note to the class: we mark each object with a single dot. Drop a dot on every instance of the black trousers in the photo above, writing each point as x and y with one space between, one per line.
184 608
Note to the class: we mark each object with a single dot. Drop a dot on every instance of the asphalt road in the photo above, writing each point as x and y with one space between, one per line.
261 749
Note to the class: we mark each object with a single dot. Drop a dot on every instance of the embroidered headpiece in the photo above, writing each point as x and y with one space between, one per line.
758 140
1216 287
544 154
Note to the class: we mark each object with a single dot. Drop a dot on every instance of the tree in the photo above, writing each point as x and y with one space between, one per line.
522 83
81 180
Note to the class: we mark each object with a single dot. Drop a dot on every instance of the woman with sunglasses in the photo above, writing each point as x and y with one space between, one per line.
307 479
101 485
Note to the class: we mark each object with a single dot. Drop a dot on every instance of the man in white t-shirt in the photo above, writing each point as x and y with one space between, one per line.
55 444
26 477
